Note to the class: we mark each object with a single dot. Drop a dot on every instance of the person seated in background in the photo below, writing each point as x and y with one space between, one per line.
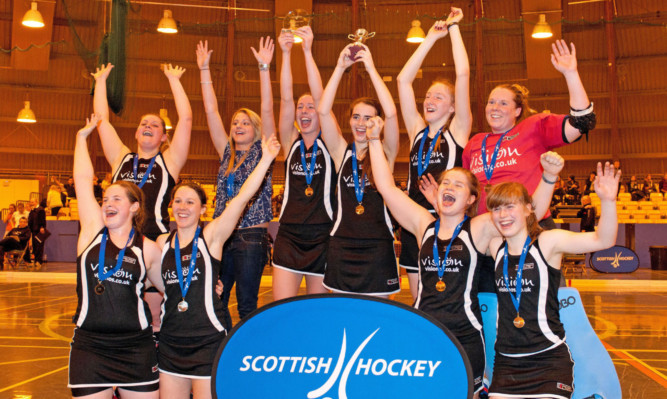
21 212
636 189
17 238
649 187
587 214
559 194
571 191
277 202
9 224
588 187
97 189
662 186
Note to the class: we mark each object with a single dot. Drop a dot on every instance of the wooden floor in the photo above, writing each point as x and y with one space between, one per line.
628 313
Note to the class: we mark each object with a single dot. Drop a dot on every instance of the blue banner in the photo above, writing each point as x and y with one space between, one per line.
617 259
340 346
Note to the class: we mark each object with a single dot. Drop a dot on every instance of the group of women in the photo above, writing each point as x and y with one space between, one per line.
335 225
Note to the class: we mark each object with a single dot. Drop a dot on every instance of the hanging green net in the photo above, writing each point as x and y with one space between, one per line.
112 50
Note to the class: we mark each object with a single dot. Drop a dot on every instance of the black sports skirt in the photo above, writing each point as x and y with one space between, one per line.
362 266
546 374
409 259
302 248
107 360
188 357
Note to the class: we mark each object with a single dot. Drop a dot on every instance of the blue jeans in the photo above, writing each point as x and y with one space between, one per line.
243 259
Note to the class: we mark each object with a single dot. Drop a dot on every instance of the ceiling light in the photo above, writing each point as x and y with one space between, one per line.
167 23
33 18
542 29
26 115
416 33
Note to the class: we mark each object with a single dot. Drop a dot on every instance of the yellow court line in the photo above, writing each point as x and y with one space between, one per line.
36 303
33 346
34 360
46 329
233 305
640 361
33 378
29 338
637 350
641 335
25 288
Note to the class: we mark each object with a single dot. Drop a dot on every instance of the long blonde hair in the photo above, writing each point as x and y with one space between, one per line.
256 122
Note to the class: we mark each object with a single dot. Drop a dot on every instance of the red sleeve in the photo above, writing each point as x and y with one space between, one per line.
550 127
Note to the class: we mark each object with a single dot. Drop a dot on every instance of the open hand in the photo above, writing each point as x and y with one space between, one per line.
265 53
203 55
563 58
606 182
91 123
172 72
102 72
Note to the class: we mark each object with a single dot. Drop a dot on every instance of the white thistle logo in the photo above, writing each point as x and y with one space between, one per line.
616 263
317 393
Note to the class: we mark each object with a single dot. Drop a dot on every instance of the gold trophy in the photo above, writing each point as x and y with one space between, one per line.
359 37
295 20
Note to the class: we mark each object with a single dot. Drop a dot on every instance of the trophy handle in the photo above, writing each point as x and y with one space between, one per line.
370 35
351 36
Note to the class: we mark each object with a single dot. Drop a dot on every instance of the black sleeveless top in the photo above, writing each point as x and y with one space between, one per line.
457 307
448 156
297 208
374 223
157 191
205 310
121 307
538 307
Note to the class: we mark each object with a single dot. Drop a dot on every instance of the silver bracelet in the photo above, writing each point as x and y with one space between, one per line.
374 139
207 83
263 67
203 69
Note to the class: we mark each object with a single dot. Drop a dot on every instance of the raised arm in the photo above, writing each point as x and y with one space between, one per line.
90 215
406 94
113 147
391 132
331 133
462 122
562 241
217 232
313 73
177 153
286 129
408 213
215 127
264 57
552 164
564 59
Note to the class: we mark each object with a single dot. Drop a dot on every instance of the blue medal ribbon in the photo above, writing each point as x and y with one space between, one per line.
358 185
101 275
185 285
309 169
516 300
421 167
135 168
436 254
488 169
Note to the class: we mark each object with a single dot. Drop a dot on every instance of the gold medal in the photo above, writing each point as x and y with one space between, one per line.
519 321
99 289
226 204
359 209
182 306
440 286
309 191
